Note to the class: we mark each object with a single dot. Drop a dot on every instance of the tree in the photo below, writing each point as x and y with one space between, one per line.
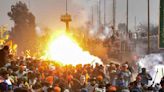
23 33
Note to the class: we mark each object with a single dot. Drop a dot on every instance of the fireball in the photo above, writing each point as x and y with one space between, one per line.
65 50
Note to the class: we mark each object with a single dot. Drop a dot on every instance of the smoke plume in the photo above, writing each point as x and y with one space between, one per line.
154 64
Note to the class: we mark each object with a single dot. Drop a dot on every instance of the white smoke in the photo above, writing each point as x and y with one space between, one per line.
153 63
83 12
38 30
107 32
89 8
85 3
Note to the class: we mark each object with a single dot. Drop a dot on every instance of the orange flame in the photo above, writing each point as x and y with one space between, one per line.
66 51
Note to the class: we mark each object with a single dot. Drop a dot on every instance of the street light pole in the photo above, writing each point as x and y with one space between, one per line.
66 8
114 15
148 32
127 16
104 12
99 6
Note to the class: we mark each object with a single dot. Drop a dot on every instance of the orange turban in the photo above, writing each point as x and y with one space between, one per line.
57 89
41 68
100 78
69 77
49 79
112 88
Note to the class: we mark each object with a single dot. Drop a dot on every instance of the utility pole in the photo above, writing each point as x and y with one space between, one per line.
92 15
127 17
148 32
66 8
114 14
29 4
99 8
136 33
135 24
104 13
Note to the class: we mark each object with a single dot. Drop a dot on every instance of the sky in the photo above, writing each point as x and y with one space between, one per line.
48 12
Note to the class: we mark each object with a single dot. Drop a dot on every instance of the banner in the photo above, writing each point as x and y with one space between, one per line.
161 28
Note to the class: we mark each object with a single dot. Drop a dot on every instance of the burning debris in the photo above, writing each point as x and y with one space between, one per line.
66 51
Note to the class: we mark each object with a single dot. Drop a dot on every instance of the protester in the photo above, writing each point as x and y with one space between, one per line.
136 86
162 85
31 75
4 53
126 74
145 77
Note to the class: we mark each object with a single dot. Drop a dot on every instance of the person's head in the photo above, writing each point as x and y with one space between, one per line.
3 87
138 78
50 90
84 71
111 89
69 77
107 87
100 78
21 68
131 85
124 66
162 82
37 87
97 64
112 66
6 49
143 70
82 79
117 66
126 62
10 71
4 74
11 57
93 81
57 89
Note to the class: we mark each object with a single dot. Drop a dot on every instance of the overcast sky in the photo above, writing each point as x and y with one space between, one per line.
48 12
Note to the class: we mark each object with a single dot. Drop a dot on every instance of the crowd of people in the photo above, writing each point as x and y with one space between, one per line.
32 75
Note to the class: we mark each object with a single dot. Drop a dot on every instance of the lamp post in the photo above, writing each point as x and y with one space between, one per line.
148 32
114 14
104 12
127 16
